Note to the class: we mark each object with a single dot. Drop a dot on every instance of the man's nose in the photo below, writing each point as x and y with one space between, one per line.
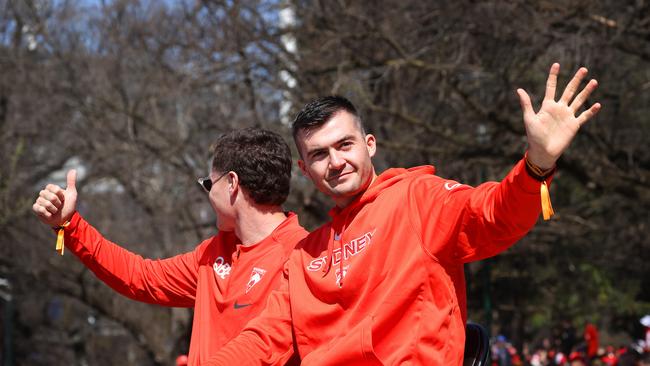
336 160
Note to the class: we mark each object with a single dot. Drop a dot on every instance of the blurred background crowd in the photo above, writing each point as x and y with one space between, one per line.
569 347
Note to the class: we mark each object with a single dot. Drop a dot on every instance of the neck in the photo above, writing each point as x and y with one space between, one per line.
343 202
255 223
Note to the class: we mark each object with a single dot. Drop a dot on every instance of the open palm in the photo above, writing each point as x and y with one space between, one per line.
551 130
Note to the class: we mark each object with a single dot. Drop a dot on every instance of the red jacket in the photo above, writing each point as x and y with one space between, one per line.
225 282
383 283
591 338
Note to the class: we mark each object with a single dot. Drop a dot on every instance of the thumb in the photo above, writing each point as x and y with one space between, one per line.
71 181
526 105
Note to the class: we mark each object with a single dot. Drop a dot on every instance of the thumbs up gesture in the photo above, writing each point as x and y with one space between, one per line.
55 205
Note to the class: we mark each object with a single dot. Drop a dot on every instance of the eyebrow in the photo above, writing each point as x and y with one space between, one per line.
339 141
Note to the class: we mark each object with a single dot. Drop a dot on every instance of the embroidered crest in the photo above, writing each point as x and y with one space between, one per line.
256 276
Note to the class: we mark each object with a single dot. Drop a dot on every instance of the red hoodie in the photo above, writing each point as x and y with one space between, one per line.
383 283
225 282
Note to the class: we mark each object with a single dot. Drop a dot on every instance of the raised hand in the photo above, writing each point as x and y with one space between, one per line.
55 205
551 130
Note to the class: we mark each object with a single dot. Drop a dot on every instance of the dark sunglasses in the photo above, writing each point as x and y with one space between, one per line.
207 183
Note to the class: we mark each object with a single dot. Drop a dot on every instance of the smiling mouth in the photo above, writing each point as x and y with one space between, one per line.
338 176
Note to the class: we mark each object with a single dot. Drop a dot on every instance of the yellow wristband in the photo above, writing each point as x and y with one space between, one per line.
59 237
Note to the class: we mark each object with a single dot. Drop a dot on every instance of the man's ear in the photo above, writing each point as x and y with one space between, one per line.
371 144
233 183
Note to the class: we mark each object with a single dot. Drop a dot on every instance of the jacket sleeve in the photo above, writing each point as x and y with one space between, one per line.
266 340
170 282
463 223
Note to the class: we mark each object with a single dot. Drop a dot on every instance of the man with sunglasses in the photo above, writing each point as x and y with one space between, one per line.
226 278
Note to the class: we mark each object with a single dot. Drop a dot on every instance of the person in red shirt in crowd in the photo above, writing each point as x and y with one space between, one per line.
382 283
226 278
591 340
609 358
576 357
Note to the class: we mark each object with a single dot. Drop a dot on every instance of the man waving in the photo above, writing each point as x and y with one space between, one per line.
383 283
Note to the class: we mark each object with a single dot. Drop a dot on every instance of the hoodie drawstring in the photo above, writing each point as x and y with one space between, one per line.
340 262
330 251
336 237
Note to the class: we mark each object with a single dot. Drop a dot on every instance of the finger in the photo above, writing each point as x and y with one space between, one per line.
71 180
41 211
36 208
50 197
551 82
53 188
526 105
573 85
56 190
48 205
61 194
588 114
584 94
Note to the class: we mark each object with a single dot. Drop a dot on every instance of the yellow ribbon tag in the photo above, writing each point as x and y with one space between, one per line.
547 208
59 238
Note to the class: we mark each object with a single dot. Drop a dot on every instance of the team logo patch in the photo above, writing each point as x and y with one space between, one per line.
256 276
221 268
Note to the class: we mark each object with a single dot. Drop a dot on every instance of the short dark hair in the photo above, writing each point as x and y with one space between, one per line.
318 112
261 159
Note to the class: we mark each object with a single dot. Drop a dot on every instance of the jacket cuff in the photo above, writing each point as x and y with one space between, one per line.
526 181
